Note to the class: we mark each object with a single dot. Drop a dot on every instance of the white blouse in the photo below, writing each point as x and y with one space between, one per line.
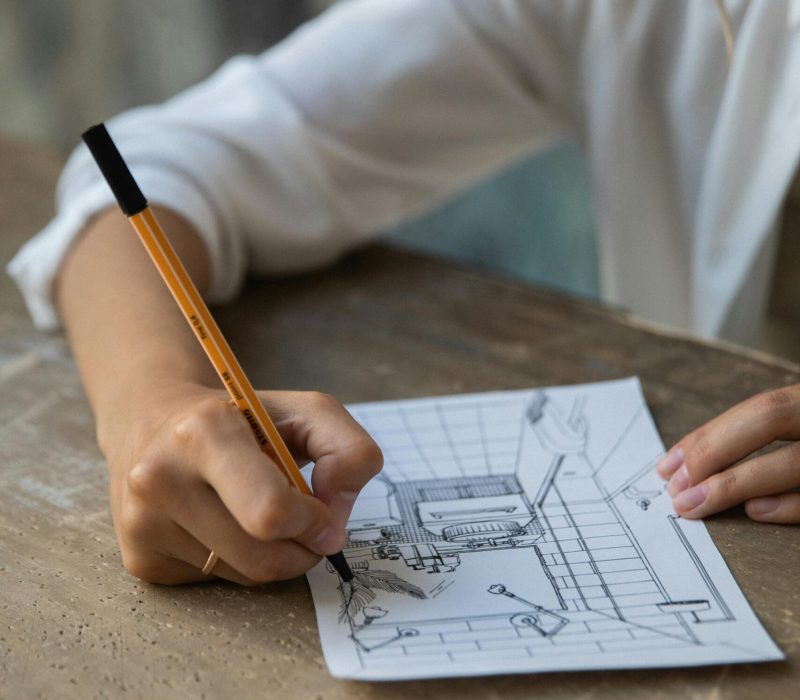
382 108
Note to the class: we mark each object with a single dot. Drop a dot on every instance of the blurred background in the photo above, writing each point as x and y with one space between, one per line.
65 64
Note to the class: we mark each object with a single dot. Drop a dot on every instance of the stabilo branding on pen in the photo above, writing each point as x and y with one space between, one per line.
134 205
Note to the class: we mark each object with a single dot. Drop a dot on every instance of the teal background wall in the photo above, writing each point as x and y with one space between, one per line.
532 222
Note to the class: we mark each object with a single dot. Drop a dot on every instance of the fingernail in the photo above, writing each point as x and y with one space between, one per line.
678 482
329 541
762 506
670 462
691 498
342 505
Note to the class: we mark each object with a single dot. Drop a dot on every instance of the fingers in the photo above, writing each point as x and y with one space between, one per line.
157 550
202 483
732 436
170 569
203 515
250 485
776 472
699 467
214 482
173 548
782 509
158 568
316 426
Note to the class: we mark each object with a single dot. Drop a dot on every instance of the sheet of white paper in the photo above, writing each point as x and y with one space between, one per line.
535 527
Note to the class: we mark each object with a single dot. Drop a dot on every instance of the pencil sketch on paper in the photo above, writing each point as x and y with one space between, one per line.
536 529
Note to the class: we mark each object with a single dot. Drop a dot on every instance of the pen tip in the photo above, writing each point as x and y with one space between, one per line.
341 566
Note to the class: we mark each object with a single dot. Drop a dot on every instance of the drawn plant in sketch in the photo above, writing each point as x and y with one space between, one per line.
370 614
360 592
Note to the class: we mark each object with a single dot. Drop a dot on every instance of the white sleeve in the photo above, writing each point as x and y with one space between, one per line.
282 161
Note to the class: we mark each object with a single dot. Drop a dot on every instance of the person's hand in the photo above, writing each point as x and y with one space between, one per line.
187 476
712 468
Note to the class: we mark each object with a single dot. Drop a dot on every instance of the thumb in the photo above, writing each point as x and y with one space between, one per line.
318 428
338 477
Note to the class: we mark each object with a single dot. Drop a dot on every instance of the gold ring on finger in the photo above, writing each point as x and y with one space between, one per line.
211 562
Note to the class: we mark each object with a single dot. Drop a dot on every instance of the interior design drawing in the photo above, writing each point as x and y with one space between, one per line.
537 529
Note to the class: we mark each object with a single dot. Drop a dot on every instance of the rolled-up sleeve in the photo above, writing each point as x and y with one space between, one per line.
283 161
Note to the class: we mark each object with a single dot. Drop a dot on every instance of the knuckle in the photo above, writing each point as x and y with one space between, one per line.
791 509
322 401
149 478
366 453
134 523
265 521
776 405
793 455
701 450
724 486
207 421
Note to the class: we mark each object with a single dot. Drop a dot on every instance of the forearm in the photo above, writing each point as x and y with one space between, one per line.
127 334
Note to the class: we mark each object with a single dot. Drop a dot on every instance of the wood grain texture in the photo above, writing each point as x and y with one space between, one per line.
380 325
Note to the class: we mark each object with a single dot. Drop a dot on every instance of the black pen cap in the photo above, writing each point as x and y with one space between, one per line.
119 178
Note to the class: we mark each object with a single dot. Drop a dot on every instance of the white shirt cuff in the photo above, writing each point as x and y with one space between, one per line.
36 265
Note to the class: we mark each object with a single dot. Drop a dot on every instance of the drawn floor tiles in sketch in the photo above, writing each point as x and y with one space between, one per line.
537 527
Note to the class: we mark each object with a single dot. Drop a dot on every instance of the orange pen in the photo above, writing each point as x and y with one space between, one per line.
134 205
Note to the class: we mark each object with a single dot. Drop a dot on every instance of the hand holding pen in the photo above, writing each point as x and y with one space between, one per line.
190 478
182 482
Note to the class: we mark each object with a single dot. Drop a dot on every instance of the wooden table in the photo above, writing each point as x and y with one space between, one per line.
381 325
